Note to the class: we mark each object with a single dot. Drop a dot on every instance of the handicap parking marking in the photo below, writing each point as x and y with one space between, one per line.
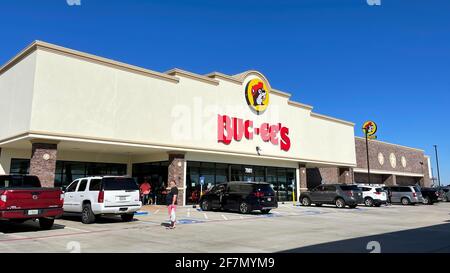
189 221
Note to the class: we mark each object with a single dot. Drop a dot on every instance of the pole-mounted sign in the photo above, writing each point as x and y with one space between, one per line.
369 129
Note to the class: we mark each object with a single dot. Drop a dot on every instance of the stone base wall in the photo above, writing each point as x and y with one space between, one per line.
43 163
176 172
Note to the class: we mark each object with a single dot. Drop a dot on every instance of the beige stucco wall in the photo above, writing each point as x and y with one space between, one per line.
16 94
81 98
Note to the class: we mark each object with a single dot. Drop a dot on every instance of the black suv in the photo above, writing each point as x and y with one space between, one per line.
430 195
240 196
340 195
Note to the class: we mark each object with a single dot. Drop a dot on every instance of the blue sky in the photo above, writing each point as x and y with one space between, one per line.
388 63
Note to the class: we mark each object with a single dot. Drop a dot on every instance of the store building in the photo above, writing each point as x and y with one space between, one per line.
67 114
390 164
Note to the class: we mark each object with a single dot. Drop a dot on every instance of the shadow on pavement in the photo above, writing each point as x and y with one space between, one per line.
431 239
8 227
99 220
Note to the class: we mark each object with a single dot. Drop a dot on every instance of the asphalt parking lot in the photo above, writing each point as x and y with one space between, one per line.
288 229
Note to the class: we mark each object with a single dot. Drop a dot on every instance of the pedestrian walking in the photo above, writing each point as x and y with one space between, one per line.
145 191
171 200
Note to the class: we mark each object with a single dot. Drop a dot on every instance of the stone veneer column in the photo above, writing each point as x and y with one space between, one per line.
391 180
303 178
43 162
345 176
176 167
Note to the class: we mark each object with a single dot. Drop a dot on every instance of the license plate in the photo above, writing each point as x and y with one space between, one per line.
33 212
122 198
269 199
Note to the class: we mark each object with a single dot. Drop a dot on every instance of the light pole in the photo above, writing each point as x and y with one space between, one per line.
437 164
367 152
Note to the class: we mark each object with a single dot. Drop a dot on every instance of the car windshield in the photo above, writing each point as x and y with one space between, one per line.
350 188
8 181
119 184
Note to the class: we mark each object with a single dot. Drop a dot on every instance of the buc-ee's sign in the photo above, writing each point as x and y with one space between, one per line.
233 128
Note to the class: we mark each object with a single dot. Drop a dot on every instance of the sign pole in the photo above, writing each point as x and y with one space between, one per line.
367 151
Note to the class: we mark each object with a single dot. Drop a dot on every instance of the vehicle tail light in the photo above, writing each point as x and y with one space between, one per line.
3 199
101 196
259 194
349 193
414 194
377 193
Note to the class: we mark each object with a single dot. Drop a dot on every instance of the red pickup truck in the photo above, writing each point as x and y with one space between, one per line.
22 198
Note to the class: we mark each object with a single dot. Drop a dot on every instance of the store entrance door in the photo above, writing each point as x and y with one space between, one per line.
156 174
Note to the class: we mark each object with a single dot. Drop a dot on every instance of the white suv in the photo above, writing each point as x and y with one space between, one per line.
97 196
373 195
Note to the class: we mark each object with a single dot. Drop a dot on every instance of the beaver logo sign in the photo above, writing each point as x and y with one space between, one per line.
257 95
370 128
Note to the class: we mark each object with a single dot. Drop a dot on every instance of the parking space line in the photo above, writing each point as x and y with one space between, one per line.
76 229
188 212
156 211
206 216
224 218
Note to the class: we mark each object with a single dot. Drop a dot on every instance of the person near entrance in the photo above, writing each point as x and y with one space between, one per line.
145 189
171 200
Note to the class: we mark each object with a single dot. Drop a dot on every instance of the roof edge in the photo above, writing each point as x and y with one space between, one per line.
316 115
391 144
86 56
181 72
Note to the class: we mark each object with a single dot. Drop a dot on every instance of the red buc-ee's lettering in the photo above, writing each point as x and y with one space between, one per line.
235 128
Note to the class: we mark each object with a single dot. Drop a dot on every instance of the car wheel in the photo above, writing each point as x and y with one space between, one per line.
127 217
87 216
205 205
265 211
244 208
426 200
306 201
405 201
46 223
352 206
340 203
368 202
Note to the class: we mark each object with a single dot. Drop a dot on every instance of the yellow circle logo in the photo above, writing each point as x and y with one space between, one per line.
370 128
257 95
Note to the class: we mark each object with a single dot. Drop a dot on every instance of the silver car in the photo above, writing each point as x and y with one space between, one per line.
406 195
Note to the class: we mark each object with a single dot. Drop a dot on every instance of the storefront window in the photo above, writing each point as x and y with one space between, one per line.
215 173
221 173
156 174
20 166
68 171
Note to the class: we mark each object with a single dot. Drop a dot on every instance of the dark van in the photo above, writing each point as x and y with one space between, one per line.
240 196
